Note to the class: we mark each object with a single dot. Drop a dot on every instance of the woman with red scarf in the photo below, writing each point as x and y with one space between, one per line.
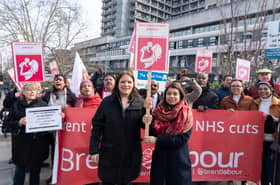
172 127
88 98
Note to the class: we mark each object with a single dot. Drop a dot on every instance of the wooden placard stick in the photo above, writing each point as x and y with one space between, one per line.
148 108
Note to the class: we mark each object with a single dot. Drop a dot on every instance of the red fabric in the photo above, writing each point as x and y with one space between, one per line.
88 102
220 149
174 122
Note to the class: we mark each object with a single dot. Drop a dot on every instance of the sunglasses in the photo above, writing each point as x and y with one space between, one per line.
154 85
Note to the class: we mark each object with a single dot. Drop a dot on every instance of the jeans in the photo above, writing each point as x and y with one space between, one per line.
267 164
34 176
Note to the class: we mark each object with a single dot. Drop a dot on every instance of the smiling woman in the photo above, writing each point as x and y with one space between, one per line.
115 139
237 99
171 131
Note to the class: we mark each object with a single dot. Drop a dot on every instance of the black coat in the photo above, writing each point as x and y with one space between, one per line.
171 161
208 98
116 137
31 149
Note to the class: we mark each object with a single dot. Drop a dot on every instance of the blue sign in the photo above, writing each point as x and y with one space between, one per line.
158 76
272 53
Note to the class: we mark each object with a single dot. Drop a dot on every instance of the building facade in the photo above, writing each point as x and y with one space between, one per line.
202 29
119 16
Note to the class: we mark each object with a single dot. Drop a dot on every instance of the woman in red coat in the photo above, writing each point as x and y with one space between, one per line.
88 98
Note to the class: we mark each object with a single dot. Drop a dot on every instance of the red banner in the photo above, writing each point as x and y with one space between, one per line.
224 146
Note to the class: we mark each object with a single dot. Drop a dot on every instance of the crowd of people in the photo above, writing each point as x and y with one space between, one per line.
121 106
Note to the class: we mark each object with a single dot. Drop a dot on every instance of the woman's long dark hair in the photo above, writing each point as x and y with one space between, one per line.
174 85
55 91
116 93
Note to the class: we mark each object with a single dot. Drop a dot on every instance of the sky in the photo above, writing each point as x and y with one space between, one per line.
91 14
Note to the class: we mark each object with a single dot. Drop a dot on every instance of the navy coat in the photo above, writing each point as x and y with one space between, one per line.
116 137
171 164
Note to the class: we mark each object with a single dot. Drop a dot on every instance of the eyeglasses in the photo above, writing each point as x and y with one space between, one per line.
236 86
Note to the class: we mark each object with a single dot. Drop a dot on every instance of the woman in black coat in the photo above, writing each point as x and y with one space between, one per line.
115 140
171 164
31 149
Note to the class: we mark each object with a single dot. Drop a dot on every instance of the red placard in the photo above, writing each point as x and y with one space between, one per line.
203 61
151 54
224 146
28 61
151 46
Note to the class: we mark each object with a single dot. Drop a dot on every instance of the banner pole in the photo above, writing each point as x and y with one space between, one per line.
148 108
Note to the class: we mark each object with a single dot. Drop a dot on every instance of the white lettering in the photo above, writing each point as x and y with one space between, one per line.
69 160
202 159
75 127
216 159
74 161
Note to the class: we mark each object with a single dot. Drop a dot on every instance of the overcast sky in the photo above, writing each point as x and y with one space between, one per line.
91 12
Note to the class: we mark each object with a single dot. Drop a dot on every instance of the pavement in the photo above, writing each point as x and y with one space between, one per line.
7 170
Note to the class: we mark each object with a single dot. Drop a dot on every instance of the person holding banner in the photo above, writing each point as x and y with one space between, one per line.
237 100
270 106
115 139
60 95
88 98
31 149
172 128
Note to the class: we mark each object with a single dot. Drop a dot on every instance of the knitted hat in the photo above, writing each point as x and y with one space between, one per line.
266 84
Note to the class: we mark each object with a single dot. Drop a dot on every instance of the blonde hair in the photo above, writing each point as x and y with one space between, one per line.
28 86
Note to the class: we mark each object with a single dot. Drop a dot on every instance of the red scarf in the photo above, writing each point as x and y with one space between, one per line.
174 122
88 102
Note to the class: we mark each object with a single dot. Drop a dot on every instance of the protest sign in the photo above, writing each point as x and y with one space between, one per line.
28 61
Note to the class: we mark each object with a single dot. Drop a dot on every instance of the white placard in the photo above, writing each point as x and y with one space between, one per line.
41 119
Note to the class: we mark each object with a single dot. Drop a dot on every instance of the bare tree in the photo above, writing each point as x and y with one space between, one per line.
242 33
55 23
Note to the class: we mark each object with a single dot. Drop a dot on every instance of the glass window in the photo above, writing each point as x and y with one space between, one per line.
200 42
185 43
212 41
171 45
190 43
180 44
187 32
195 43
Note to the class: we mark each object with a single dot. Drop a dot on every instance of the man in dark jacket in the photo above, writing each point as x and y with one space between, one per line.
224 90
208 98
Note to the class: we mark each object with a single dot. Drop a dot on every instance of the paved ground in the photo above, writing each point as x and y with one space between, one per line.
7 170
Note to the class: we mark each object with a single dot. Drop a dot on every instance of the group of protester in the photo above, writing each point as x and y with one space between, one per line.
120 106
